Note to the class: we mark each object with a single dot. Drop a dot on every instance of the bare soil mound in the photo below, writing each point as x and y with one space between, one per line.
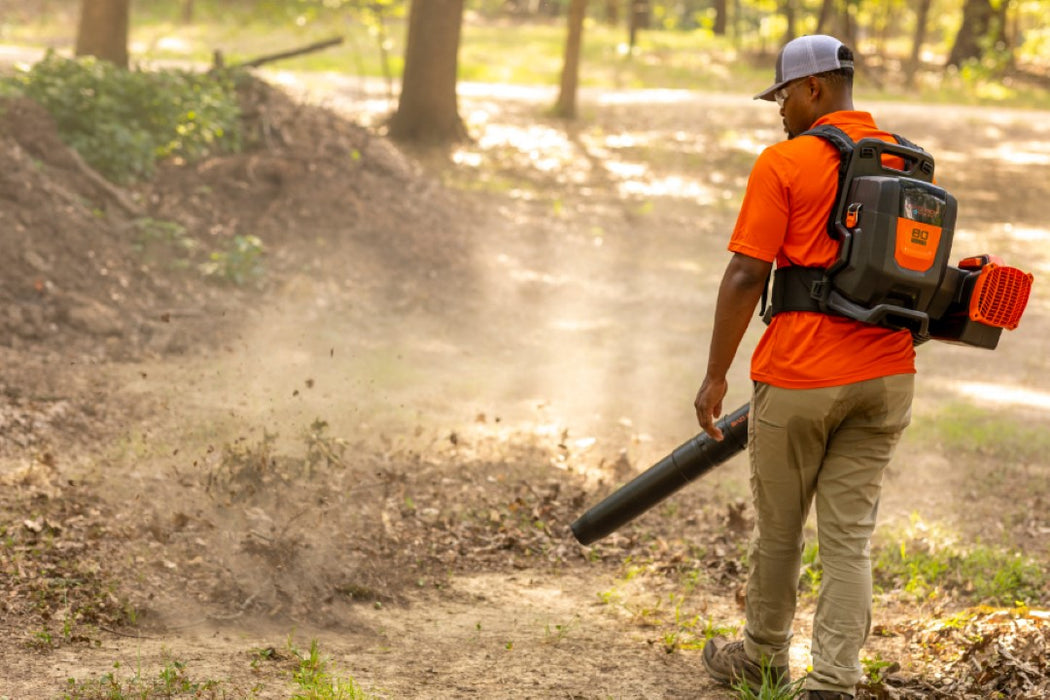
94 269
97 272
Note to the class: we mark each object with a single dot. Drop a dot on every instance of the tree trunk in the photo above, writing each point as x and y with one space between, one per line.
103 30
638 19
721 20
827 11
570 72
788 9
187 11
1003 39
612 12
427 110
976 23
922 14
847 18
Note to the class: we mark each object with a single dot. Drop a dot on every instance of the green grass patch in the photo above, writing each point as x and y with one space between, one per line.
770 688
925 561
992 434
172 681
812 571
316 682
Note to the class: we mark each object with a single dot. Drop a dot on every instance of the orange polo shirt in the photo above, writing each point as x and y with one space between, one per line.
784 219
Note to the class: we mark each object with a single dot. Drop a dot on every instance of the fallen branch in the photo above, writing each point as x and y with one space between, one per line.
115 193
270 58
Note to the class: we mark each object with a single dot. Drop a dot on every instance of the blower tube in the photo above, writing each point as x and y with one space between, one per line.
688 462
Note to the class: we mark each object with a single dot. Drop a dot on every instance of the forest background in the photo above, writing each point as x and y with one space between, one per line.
941 50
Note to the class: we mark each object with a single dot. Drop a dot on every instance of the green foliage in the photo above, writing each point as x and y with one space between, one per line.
123 121
812 571
369 12
172 681
316 683
770 690
986 432
680 49
239 264
923 562
166 242
874 668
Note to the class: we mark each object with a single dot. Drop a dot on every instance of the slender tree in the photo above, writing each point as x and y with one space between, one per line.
788 8
1003 37
721 19
837 17
427 109
637 19
922 14
103 30
827 11
570 72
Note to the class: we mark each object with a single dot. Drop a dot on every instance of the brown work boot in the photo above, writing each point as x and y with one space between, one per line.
728 663
826 695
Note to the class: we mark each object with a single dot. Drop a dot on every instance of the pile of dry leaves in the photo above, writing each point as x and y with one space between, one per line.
982 653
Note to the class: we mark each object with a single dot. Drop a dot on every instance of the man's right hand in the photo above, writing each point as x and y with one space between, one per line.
708 405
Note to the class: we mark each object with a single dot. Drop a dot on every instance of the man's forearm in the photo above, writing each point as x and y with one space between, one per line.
738 294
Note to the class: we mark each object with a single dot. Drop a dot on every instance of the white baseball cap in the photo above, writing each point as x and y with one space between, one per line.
804 56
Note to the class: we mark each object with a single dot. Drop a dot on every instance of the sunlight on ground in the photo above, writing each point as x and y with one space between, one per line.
1025 247
1017 153
1002 395
169 44
650 97
1023 233
673 186
550 150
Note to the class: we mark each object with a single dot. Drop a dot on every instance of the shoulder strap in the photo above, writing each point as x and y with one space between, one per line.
841 141
905 142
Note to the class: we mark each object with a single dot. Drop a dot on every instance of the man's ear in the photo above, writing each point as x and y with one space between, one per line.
815 88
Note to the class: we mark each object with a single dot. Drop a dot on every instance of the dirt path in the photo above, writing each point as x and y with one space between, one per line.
593 262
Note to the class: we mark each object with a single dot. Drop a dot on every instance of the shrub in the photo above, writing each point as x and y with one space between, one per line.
123 121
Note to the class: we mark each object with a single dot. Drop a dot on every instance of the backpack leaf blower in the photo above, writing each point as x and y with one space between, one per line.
972 306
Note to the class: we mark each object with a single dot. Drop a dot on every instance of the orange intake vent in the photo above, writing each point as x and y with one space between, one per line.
1000 295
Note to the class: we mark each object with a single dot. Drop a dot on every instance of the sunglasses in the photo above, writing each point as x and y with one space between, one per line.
781 95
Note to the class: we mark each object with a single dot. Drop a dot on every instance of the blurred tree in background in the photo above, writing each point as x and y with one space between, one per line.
570 72
899 42
988 34
427 109
103 30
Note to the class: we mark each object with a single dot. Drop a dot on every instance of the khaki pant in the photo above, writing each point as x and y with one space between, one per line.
831 445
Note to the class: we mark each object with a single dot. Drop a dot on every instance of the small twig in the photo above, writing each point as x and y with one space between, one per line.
126 634
291 520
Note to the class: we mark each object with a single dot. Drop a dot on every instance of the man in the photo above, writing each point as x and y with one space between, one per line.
831 395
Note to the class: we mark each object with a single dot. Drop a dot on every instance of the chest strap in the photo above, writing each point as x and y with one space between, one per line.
798 288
